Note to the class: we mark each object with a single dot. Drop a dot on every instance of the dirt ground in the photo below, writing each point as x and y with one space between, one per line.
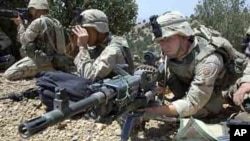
14 113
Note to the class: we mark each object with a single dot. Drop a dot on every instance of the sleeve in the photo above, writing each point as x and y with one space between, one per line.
246 74
98 68
30 33
202 85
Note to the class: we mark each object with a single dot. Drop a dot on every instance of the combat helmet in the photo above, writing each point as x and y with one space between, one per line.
169 24
95 18
39 4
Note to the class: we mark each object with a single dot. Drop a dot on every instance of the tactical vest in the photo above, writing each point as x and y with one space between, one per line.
234 65
234 61
40 48
45 44
122 43
125 51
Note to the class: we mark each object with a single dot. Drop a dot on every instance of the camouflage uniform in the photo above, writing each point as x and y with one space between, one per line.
6 58
246 43
196 84
137 60
99 63
246 75
195 81
36 44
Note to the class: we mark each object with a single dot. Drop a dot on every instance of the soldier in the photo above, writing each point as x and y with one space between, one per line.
196 73
246 43
6 59
107 50
137 60
38 42
98 56
243 85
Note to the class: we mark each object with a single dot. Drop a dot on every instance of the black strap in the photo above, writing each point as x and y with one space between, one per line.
128 58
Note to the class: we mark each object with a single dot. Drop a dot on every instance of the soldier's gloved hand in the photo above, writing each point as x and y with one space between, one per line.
17 20
238 96
82 35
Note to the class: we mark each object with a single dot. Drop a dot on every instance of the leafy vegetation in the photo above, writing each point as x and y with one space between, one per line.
230 17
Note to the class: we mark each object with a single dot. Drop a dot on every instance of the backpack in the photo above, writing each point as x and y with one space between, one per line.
59 45
234 61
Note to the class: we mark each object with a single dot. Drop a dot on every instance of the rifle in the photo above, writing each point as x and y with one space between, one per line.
152 58
22 12
112 98
29 93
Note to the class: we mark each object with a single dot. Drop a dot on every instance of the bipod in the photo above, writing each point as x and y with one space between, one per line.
128 125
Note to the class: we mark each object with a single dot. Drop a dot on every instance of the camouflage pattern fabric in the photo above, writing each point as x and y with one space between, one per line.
197 80
37 47
246 75
26 68
195 83
101 64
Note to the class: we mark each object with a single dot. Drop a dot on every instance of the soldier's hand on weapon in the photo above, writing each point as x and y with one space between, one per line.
82 35
238 96
160 90
17 20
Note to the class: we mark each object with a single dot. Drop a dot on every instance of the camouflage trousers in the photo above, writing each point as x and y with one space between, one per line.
29 67
26 68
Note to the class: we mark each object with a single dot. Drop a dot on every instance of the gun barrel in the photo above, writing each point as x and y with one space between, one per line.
36 125
6 13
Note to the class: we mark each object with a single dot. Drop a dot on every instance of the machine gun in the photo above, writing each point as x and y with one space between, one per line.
112 98
151 58
22 12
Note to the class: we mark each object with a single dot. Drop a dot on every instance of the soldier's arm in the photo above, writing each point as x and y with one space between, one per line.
100 67
246 74
29 34
244 86
200 90
202 86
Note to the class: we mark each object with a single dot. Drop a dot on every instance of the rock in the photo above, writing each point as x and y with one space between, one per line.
75 138
100 126
13 113
118 132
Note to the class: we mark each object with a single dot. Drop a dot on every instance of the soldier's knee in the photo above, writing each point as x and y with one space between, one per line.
12 74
